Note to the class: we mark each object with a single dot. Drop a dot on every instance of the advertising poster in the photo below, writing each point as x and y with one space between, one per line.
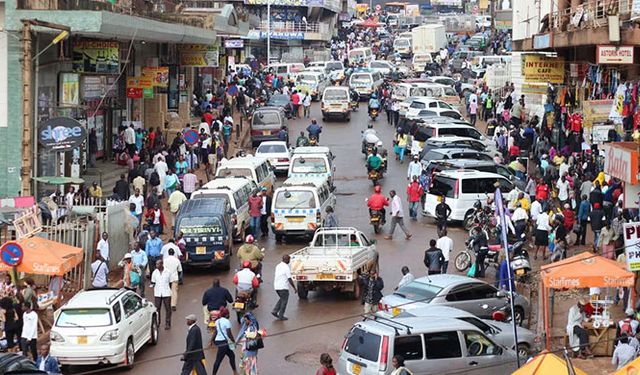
96 56
631 233
158 75
543 69
95 87
200 55
69 89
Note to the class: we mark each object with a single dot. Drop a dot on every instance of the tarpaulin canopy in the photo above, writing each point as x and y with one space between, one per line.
632 367
46 257
586 270
59 180
546 363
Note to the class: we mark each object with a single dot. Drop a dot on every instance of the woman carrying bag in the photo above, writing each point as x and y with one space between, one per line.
223 340
252 334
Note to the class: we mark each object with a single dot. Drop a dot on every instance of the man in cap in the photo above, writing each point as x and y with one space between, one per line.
193 355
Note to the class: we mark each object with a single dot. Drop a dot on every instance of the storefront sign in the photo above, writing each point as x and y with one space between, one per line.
147 93
69 89
234 43
139 83
621 162
134 92
159 75
288 3
614 55
635 9
631 196
61 134
543 69
95 87
96 56
286 35
632 245
542 41
200 55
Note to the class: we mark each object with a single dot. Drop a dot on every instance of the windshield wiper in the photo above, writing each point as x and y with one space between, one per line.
76 325
399 295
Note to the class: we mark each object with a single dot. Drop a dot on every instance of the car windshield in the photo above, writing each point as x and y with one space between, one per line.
361 79
309 165
266 118
295 199
363 344
308 78
200 225
417 291
233 172
379 64
334 66
422 58
271 149
279 100
401 43
337 95
84 318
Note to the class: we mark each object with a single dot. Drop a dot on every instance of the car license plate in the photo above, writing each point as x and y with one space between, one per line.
295 219
82 339
219 255
266 132
238 305
325 276
356 369
520 272
201 250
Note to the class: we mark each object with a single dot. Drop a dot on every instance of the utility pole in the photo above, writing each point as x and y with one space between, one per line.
27 106
268 34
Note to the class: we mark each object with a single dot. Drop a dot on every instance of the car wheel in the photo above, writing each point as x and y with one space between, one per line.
130 354
523 350
303 291
154 330
519 316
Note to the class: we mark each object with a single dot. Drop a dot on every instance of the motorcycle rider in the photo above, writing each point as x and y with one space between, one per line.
383 153
369 137
374 103
377 201
374 161
246 281
480 246
251 253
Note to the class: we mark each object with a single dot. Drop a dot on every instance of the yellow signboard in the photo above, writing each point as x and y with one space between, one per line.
199 55
484 4
543 69
96 56
139 83
159 75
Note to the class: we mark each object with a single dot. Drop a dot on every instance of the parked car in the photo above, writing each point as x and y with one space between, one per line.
455 153
277 153
437 112
103 326
16 364
283 101
266 123
453 141
435 166
465 293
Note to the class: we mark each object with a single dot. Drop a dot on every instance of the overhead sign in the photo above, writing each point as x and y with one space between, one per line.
621 162
200 55
542 41
11 254
234 43
286 35
631 233
159 75
614 54
61 134
96 56
543 69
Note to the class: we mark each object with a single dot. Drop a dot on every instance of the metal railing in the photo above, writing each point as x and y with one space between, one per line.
590 14
309 27
144 8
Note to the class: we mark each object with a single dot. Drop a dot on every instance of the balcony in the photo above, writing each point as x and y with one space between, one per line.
315 31
590 14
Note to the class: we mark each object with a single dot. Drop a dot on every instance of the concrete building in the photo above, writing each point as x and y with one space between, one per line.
129 62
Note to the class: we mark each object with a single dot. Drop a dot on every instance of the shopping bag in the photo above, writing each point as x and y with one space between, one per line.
472 271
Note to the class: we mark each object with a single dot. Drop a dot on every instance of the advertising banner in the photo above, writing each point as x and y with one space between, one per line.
159 75
234 43
96 56
61 134
631 233
139 82
543 69
69 89
621 162
199 55
95 87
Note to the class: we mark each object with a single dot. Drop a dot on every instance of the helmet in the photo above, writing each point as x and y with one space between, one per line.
477 205
377 189
379 143
369 126
246 264
249 239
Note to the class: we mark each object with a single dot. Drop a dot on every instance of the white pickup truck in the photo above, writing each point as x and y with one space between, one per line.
332 261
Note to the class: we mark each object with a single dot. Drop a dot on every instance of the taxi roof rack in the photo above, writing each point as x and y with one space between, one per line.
389 323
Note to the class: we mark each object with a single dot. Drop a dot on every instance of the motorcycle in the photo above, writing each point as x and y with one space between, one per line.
376 219
375 175
245 301
466 258
373 114
480 215
520 263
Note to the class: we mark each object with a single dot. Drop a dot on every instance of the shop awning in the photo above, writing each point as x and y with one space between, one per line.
59 180
586 270
109 25
46 257
547 363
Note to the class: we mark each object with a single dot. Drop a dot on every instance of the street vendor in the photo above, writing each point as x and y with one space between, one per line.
578 335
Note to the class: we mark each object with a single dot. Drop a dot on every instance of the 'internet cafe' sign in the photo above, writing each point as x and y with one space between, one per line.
61 134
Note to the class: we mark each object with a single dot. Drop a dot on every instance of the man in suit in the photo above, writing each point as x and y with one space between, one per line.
194 354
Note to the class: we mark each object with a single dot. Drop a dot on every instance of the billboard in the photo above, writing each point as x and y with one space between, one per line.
96 56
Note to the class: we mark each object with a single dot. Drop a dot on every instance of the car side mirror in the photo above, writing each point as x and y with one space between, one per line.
501 294
145 302
373 242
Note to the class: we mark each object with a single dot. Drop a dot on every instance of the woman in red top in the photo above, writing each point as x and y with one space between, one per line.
569 217
542 191
326 365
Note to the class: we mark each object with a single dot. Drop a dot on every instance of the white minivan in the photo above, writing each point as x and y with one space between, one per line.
237 190
288 70
254 168
299 206
309 162
463 188
358 55
336 102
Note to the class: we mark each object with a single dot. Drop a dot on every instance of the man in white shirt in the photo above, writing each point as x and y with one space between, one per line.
563 189
228 119
535 209
281 283
172 264
161 280
542 234
138 200
29 336
130 140
407 277
397 216
624 353
519 219
99 272
103 246
170 245
445 243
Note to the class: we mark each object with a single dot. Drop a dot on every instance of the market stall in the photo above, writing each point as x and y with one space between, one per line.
547 363
582 271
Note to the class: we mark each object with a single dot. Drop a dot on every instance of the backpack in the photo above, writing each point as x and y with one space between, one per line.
625 328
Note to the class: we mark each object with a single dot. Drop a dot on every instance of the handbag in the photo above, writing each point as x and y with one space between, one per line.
472 271
255 344
134 276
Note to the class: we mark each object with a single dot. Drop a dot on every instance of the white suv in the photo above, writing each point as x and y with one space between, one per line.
412 106
103 326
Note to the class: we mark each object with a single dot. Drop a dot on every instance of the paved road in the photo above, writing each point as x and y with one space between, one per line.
319 323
